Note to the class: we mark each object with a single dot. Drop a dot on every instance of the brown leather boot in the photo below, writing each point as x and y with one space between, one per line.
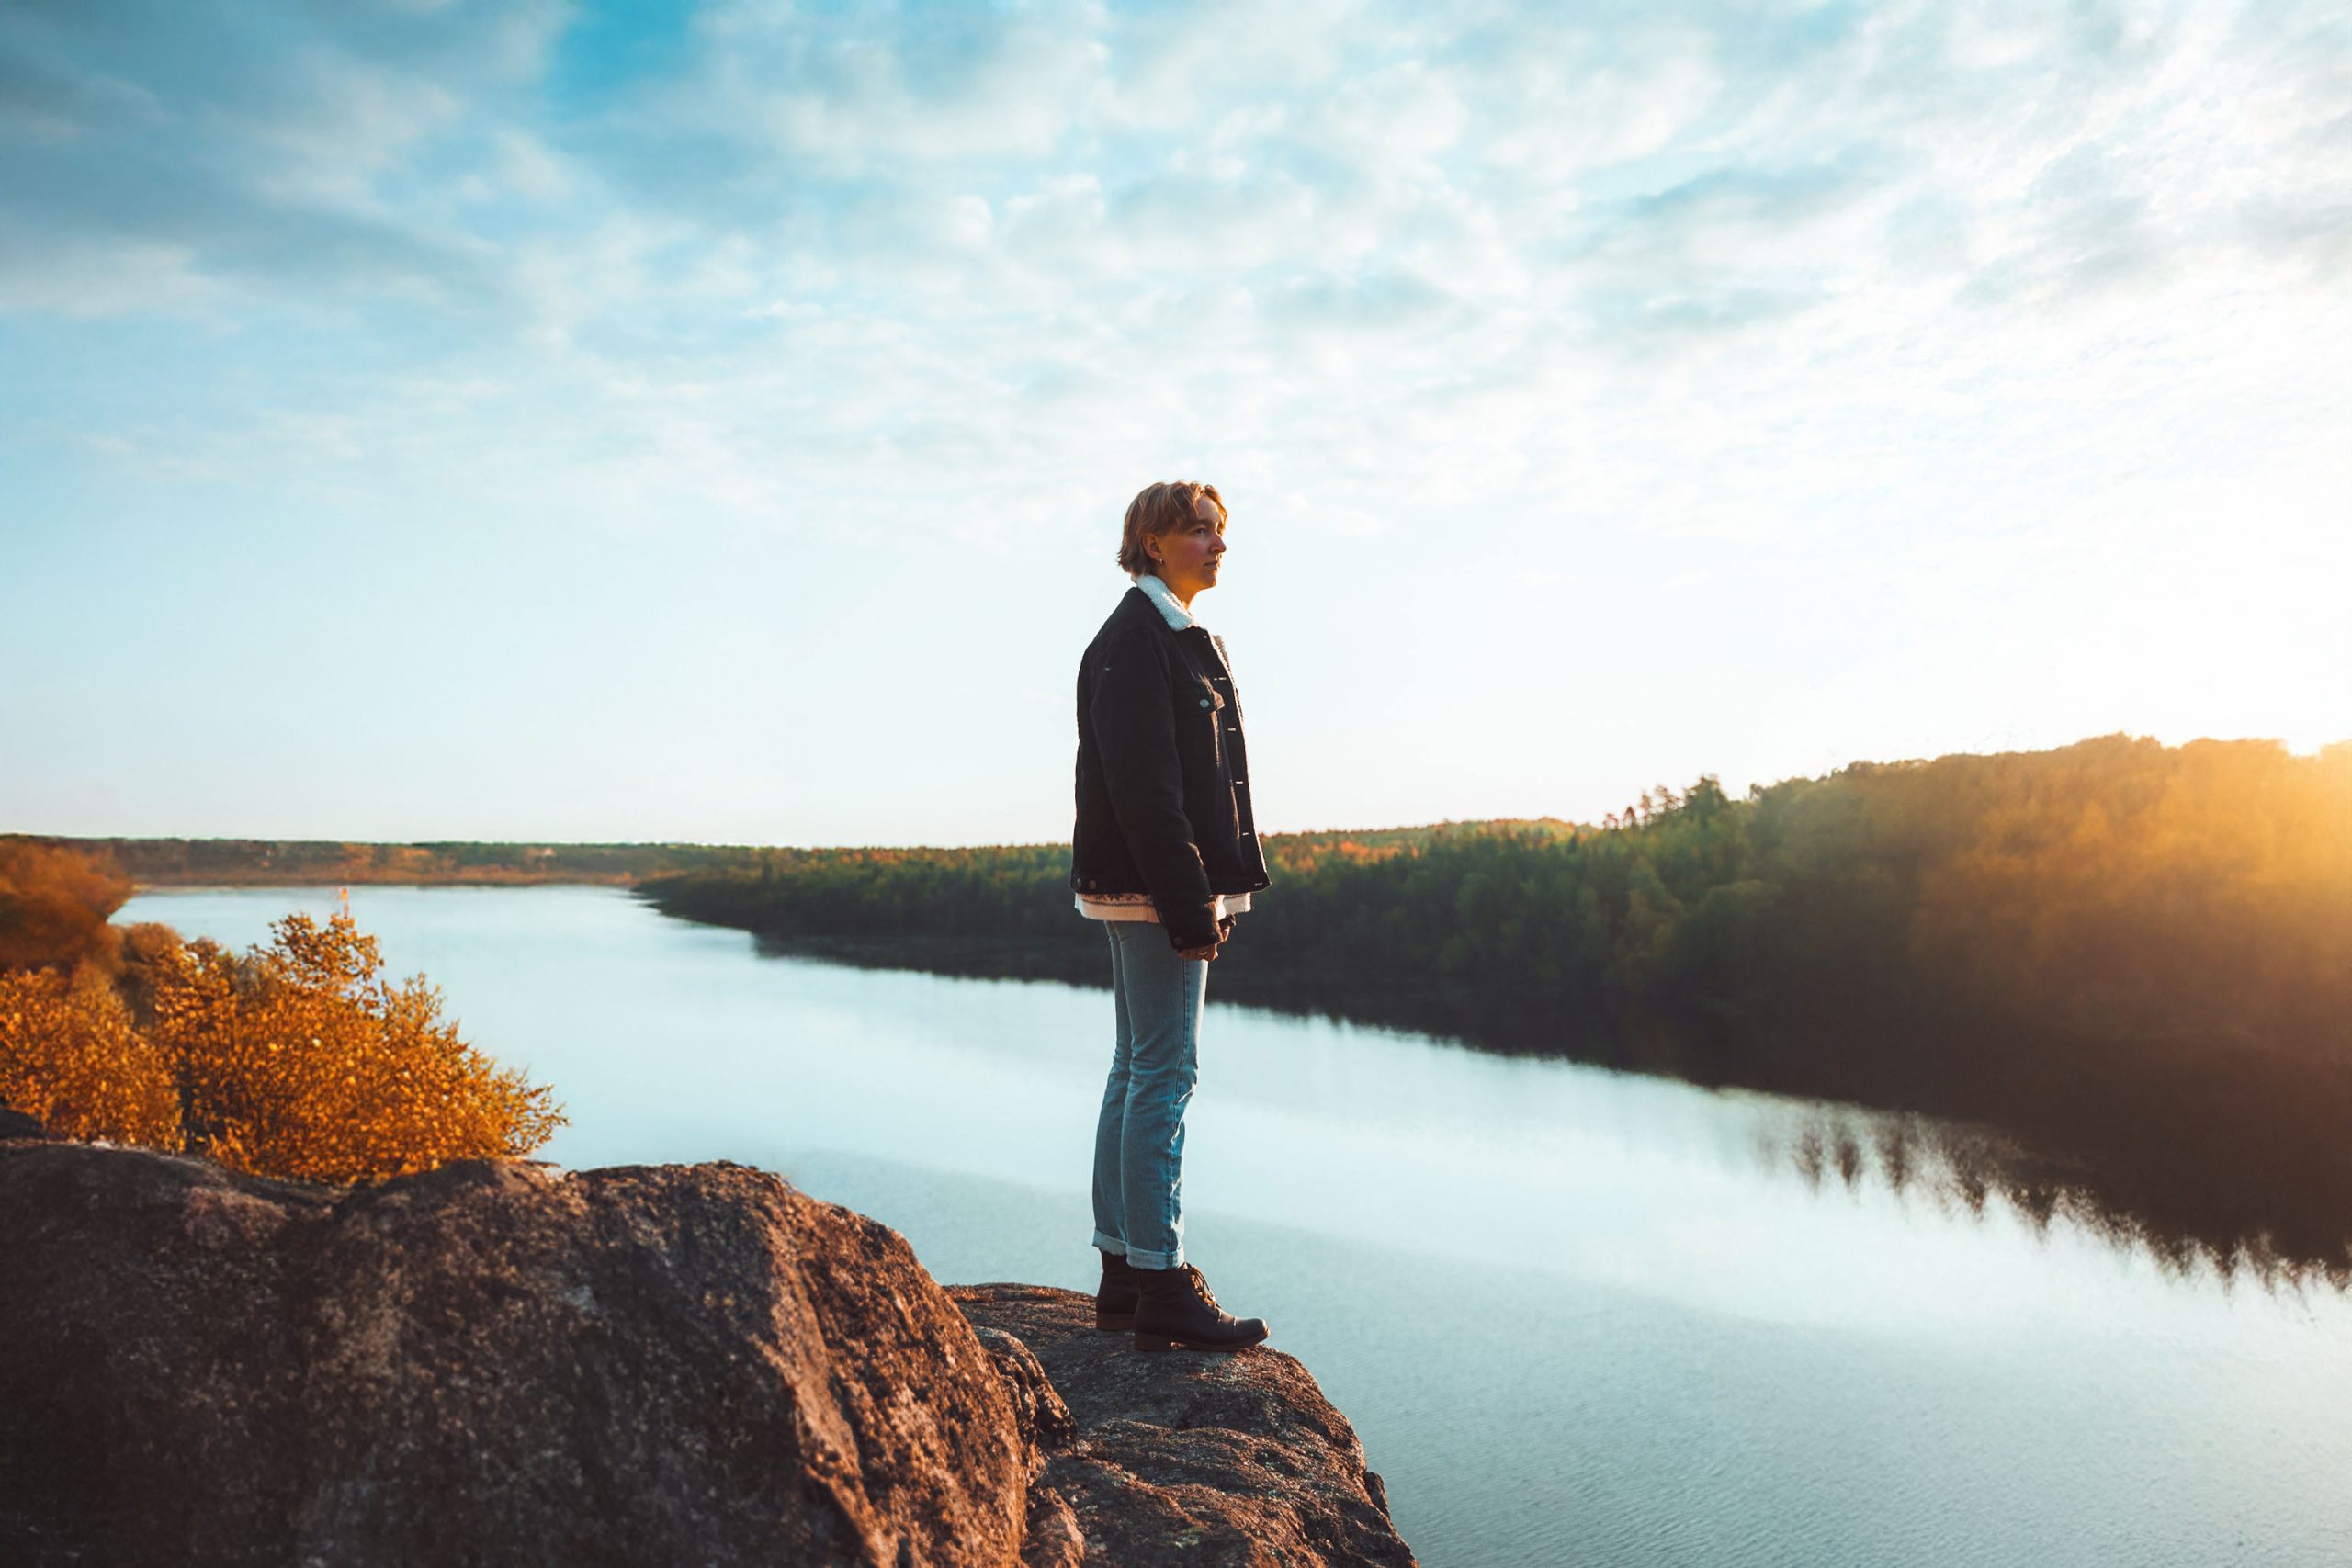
1114 1298
1176 1313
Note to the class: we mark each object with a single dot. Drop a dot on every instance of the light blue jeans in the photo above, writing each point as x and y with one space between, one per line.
1156 999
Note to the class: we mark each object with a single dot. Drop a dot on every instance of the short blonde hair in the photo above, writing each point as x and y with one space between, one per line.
1156 510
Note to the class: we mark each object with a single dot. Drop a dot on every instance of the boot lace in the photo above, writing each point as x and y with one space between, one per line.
1201 1285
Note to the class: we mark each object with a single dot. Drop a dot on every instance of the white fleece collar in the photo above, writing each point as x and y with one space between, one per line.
1171 609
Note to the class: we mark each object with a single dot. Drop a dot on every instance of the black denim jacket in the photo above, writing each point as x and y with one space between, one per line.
1163 774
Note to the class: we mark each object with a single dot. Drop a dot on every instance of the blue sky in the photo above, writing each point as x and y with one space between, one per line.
647 421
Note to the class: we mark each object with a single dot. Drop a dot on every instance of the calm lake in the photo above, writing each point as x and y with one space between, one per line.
1577 1318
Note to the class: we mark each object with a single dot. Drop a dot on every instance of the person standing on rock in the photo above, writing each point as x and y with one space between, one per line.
1165 854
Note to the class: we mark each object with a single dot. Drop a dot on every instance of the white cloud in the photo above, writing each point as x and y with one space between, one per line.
1892 291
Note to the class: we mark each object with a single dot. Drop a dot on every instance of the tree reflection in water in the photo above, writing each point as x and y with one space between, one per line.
2176 1213
2235 1156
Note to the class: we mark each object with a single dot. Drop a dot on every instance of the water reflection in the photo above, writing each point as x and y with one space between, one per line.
2204 1156
1965 1168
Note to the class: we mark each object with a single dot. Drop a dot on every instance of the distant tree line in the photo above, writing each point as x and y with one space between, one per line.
2116 889
285 862
2129 954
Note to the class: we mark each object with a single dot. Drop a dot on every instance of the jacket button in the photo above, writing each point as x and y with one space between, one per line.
1204 702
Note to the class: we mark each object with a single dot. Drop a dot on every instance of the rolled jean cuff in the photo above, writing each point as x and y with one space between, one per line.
1111 1245
1156 1260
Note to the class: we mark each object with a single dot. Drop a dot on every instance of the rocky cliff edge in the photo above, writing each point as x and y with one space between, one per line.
507 1363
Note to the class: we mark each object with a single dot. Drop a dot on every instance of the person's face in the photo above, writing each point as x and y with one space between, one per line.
1188 555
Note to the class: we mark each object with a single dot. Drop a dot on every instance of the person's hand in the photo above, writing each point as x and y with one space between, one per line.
1208 954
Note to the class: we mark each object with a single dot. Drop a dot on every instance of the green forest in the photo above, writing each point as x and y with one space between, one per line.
2134 959
2116 889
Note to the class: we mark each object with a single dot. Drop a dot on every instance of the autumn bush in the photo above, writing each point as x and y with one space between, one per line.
298 1059
295 1059
54 905
70 1057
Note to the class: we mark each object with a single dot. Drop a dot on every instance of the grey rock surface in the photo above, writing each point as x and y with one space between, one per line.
505 1363
493 1363
1223 1459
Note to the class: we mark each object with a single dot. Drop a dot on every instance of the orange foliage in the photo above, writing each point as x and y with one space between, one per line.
297 1059
300 1060
54 905
70 1057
